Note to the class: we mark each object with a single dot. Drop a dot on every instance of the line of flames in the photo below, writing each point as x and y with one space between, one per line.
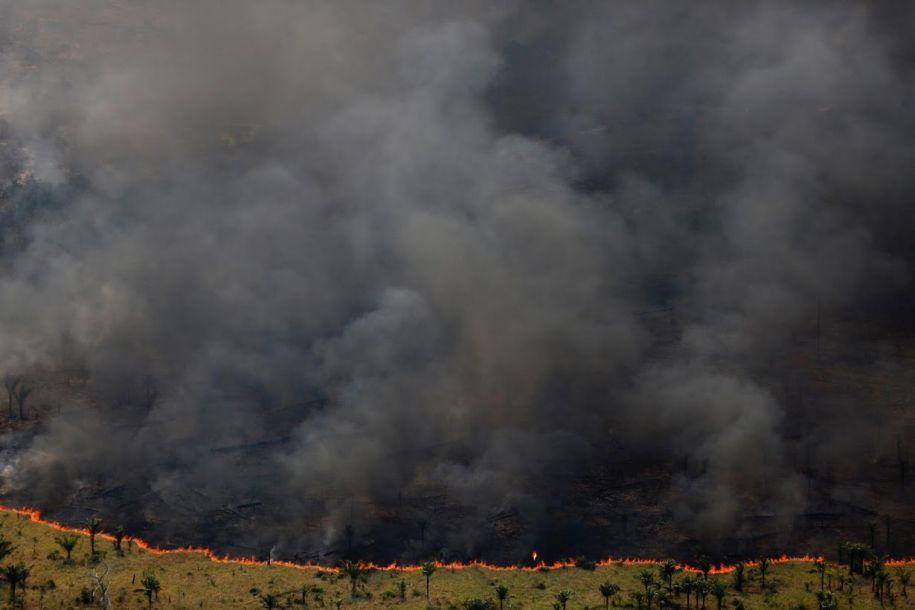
34 515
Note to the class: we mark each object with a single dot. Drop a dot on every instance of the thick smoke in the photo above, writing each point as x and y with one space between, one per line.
333 258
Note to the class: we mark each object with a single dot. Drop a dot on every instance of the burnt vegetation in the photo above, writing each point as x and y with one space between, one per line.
583 279
862 578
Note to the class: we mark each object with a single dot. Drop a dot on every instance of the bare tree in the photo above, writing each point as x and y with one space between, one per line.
101 586
151 390
22 394
119 534
739 568
763 568
11 382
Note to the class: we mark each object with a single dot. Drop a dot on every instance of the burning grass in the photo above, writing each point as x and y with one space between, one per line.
197 578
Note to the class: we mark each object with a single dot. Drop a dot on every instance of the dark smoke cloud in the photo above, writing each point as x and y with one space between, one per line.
411 249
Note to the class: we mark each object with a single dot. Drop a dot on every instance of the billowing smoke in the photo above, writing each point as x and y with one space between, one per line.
395 278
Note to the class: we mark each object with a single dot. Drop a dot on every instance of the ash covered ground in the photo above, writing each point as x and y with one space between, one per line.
408 279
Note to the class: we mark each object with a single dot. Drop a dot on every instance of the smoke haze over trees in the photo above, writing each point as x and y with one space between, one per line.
332 258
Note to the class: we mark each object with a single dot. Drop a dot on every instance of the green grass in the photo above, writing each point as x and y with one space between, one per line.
191 580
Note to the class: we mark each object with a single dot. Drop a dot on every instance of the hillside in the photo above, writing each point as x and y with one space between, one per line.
191 579
473 281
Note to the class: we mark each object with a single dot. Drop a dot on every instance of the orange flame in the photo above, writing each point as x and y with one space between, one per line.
34 515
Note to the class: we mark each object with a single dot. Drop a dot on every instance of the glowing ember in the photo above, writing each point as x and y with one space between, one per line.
35 516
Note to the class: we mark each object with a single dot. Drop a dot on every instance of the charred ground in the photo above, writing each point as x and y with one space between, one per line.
623 502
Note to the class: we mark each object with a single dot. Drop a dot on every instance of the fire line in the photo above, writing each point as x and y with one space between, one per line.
34 515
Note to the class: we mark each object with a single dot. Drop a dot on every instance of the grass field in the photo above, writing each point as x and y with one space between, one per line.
193 580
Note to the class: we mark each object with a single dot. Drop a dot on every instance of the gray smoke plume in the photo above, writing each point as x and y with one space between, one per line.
388 271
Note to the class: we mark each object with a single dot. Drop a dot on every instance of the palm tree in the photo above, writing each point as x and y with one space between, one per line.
718 591
646 578
10 382
501 595
703 588
6 547
667 569
608 590
22 394
649 594
428 570
638 596
150 588
689 584
270 601
705 566
16 574
739 568
882 579
820 567
93 526
118 538
827 601
856 553
872 570
355 570
664 600
841 581
850 596
563 598
677 589
763 568
67 542
904 577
